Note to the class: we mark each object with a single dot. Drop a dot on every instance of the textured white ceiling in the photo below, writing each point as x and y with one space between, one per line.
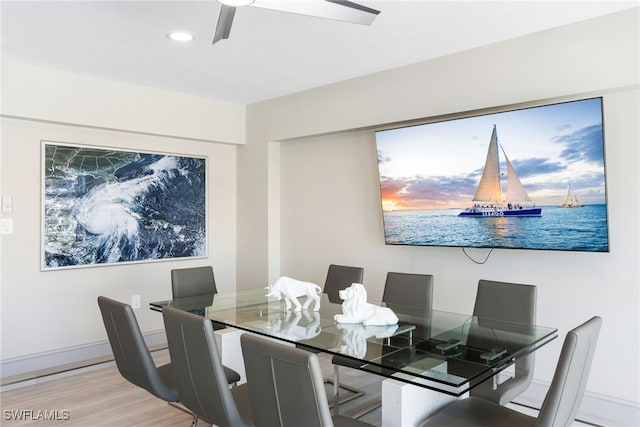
269 53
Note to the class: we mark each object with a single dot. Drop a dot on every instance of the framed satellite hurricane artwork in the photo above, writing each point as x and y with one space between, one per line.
102 206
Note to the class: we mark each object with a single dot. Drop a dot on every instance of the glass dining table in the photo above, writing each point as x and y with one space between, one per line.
449 353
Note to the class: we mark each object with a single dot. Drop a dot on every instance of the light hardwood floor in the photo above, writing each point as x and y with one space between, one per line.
101 397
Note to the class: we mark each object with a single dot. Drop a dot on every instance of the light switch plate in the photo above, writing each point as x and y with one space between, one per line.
7 205
135 301
6 226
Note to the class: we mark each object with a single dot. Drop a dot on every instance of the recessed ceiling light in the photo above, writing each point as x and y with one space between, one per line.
180 36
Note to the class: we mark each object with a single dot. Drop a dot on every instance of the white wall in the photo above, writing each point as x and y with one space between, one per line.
46 313
328 202
39 93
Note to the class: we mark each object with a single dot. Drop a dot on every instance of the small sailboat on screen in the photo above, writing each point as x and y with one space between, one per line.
489 201
571 201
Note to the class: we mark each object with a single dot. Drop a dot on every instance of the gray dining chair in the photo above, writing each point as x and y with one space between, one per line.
511 302
561 403
130 352
341 277
199 374
286 386
194 281
412 292
409 290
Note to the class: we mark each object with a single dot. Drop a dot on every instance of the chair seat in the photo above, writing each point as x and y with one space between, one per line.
232 376
170 392
477 412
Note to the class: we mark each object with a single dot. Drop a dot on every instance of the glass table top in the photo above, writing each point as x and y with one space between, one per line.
443 351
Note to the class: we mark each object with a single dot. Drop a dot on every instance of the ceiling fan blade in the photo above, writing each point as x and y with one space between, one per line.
225 19
339 10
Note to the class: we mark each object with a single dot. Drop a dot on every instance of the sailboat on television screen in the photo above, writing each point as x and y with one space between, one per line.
571 201
489 201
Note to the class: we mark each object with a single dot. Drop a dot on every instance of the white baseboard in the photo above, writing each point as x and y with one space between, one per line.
596 408
66 358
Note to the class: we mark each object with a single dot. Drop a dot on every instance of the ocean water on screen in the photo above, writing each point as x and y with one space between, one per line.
574 229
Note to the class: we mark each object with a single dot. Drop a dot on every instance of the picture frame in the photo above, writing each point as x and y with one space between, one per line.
106 206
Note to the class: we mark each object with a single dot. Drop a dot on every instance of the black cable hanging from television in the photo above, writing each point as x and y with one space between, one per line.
464 251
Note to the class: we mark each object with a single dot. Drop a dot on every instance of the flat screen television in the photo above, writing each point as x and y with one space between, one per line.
522 178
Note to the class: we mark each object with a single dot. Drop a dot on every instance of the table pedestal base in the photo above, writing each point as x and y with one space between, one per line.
407 405
228 342
230 349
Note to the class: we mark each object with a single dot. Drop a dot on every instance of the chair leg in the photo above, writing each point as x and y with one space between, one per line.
356 392
366 410
183 408
180 406
336 400
336 389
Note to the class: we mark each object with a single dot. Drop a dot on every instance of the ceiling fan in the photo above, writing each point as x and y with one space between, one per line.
333 9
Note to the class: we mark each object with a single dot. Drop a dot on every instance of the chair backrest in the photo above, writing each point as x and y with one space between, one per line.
409 290
198 370
194 281
512 302
570 378
506 301
414 292
341 277
130 352
286 386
